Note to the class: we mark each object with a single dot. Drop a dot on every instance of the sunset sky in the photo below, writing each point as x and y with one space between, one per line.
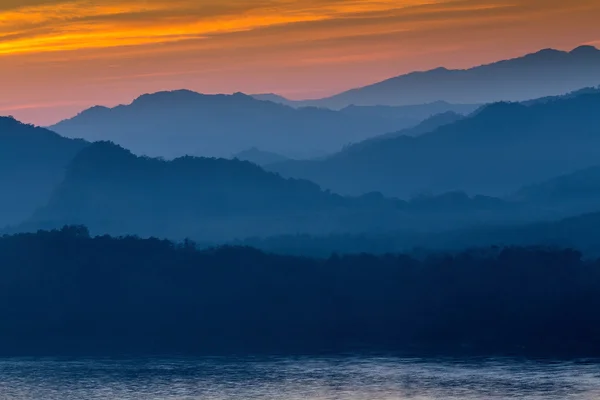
58 57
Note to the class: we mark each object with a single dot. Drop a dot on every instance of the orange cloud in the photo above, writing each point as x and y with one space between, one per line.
76 24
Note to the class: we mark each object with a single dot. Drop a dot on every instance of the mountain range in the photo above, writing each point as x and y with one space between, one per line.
370 170
411 112
178 123
32 163
259 157
495 151
545 73
111 190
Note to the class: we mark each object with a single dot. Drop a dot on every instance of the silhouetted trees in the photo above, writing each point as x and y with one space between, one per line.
65 292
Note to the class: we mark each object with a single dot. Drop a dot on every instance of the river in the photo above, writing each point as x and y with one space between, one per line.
292 378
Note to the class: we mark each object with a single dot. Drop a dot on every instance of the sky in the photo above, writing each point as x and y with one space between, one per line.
58 57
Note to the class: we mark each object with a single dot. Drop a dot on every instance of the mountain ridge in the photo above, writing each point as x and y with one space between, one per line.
32 163
469 153
182 122
549 72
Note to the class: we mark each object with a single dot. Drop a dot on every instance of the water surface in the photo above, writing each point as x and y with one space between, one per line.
325 378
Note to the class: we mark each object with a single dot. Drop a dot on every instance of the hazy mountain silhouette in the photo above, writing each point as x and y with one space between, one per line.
578 232
177 123
576 192
575 93
113 191
410 113
495 151
259 157
32 163
414 113
545 73
427 126
275 98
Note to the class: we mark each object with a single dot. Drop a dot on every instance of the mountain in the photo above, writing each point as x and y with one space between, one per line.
114 191
578 232
575 93
495 151
576 192
32 163
111 190
259 157
172 124
546 73
427 126
413 113
275 98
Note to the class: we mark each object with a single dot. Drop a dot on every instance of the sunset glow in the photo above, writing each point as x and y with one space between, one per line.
58 56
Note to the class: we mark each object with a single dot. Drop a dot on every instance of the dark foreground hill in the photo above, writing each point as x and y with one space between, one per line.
495 151
63 292
32 164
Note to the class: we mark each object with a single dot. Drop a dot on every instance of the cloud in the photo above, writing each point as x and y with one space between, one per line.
44 26
41 26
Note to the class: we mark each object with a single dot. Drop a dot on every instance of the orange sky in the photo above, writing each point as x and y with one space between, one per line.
60 56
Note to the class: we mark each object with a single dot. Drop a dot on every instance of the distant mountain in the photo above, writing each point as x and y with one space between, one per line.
578 232
411 113
576 192
427 126
545 73
110 190
575 93
259 157
32 163
172 124
275 98
495 151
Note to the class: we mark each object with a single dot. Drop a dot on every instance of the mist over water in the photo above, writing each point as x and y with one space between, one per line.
291 378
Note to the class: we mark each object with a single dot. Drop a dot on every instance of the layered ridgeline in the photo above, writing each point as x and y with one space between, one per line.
32 164
111 190
426 126
579 231
66 293
259 157
410 113
568 207
172 124
494 151
579 189
546 73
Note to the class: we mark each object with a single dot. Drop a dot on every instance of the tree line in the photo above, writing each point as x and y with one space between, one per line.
64 291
